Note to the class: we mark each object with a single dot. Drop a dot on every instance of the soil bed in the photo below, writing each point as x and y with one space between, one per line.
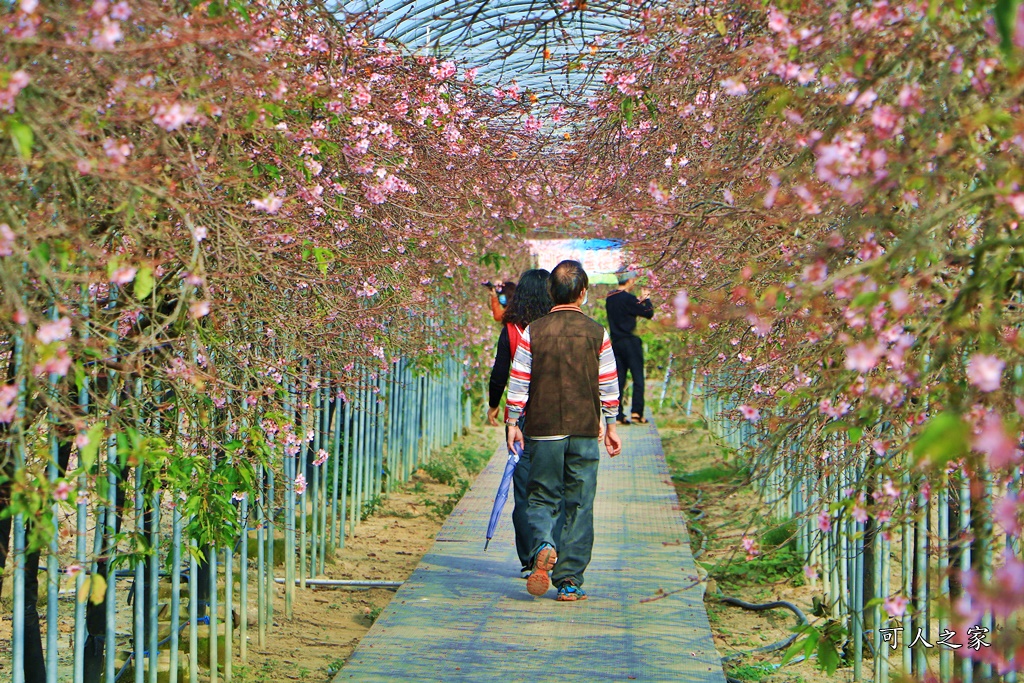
709 476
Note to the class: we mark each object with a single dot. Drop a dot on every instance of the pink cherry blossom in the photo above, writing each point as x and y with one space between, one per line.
174 116
750 547
816 273
300 484
123 275
749 413
199 309
824 521
895 606
117 150
994 442
121 11
8 407
321 457
271 203
55 330
6 240
1006 511
56 363
863 357
735 87
107 37
62 490
985 371
682 306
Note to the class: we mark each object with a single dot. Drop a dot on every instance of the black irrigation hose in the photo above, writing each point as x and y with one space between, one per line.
699 514
774 647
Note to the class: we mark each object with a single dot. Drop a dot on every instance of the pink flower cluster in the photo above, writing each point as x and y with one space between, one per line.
174 116
16 82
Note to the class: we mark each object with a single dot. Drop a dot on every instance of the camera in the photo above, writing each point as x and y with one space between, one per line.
496 287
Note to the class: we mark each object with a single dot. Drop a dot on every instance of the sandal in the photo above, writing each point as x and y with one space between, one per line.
639 419
621 419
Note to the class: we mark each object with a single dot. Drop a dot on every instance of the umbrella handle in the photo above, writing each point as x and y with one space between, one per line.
486 543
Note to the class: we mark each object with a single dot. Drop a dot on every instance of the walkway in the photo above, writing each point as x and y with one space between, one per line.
465 615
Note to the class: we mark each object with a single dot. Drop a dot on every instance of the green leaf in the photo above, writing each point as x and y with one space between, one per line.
23 139
143 282
323 258
241 9
87 454
828 657
627 107
865 299
855 434
944 438
859 66
1006 18
42 252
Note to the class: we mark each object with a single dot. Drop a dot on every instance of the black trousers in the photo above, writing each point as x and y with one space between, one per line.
629 357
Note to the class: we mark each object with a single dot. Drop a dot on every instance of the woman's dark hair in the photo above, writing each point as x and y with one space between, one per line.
568 280
531 299
508 288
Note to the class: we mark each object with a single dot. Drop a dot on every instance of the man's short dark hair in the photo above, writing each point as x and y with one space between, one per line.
568 280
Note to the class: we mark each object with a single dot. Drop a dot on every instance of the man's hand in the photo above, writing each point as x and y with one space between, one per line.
492 416
600 432
514 436
644 294
612 442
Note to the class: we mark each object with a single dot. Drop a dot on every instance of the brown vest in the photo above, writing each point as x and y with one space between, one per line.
564 393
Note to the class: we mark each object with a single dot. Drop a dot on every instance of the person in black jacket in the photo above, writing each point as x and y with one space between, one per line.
623 309
530 300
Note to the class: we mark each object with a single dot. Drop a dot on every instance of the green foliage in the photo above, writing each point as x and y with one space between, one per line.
441 509
371 506
751 672
781 535
715 473
782 564
944 438
825 642
441 471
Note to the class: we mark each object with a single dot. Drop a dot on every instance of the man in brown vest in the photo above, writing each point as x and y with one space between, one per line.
564 377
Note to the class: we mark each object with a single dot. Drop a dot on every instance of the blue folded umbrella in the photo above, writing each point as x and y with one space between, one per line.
502 496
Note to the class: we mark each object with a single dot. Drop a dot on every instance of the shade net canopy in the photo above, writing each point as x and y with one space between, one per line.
549 47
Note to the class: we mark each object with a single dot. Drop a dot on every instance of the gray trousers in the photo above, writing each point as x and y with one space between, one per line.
563 477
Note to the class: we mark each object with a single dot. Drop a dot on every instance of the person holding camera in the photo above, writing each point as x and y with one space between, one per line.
623 310
501 294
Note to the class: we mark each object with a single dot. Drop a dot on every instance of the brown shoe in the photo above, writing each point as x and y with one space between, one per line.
539 580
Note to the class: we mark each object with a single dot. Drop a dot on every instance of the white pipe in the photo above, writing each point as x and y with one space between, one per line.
351 583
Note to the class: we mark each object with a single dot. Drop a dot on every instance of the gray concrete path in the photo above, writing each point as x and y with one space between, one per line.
465 615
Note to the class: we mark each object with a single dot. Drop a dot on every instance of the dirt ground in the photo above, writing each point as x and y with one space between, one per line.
705 473
327 624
